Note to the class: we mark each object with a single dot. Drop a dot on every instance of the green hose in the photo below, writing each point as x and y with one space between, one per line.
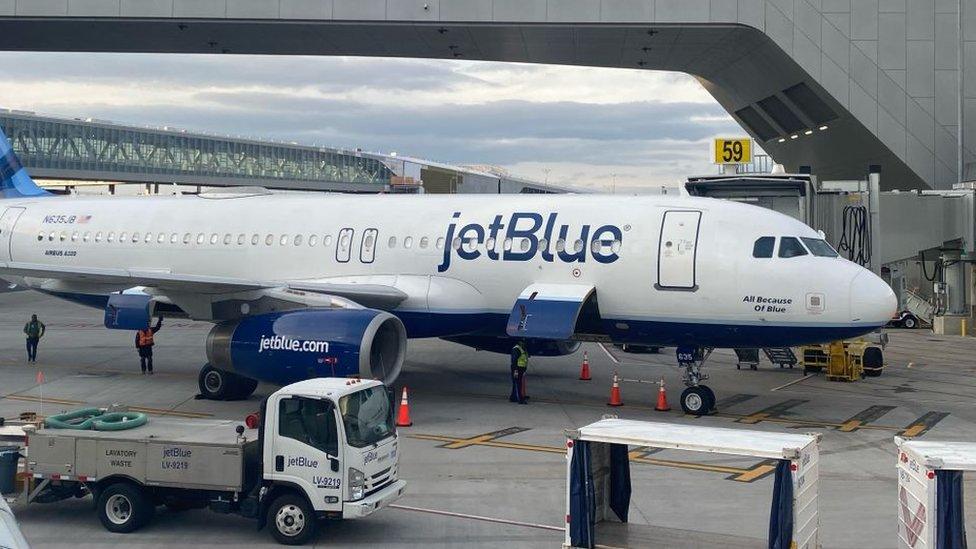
96 419
120 421
79 419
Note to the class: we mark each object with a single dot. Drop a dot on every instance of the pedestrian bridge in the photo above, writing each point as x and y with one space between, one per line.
836 85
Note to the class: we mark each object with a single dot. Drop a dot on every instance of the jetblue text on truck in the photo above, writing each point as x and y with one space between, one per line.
526 227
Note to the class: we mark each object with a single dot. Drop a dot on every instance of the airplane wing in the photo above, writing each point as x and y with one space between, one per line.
368 295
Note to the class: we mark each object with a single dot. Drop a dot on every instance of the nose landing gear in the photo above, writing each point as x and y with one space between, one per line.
696 399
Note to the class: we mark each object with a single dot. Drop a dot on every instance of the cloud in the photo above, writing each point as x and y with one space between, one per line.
575 125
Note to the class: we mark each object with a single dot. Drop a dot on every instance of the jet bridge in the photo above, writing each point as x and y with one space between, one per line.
922 242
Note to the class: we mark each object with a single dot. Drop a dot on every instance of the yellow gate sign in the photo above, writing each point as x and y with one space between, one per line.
733 150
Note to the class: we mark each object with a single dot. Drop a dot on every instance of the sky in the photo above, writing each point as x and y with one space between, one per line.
602 129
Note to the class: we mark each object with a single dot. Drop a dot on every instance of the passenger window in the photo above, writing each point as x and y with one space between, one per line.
313 240
98 236
201 238
408 242
123 236
791 247
241 238
327 240
214 238
269 240
819 247
490 243
298 240
174 238
763 247
255 239
186 238
392 243
135 238
311 422
440 243
424 242
227 239
161 238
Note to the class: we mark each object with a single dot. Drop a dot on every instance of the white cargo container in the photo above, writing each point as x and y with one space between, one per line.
798 455
921 463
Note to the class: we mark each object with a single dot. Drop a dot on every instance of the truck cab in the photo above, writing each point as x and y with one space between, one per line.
334 440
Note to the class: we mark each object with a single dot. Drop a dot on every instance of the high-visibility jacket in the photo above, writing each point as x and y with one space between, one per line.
145 338
522 358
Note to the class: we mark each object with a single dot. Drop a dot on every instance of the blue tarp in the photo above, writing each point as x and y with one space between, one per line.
620 480
950 522
781 514
582 497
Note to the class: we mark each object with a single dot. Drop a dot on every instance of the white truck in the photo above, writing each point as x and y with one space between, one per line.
325 449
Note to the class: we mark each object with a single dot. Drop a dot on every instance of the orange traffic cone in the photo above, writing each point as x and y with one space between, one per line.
615 392
662 399
585 370
403 414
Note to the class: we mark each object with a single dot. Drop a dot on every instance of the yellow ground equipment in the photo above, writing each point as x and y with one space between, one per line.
844 360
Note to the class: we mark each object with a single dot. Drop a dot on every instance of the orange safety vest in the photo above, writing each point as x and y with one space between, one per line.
145 338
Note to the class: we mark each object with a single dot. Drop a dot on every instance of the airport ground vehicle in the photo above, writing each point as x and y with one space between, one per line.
326 448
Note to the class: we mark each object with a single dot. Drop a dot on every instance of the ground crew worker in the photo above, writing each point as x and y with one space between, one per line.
520 363
144 343
34 331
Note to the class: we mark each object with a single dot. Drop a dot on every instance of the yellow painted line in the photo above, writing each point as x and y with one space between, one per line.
28 398
153 411
753 418
740 474
176 413
756 472
809 423
914 430
468 442
850 426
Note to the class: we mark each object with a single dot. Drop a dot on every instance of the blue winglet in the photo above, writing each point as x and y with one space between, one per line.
14 181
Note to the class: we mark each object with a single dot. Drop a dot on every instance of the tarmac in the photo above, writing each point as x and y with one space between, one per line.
486 473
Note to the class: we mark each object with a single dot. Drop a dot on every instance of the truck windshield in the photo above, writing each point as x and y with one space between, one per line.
367 416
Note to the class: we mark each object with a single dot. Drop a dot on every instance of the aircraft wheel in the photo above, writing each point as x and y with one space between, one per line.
695 400
711 397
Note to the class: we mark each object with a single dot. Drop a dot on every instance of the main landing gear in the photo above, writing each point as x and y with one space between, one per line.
696 399
223 385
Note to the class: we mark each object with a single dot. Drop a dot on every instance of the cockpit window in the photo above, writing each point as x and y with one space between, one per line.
763 247
791 247
818 247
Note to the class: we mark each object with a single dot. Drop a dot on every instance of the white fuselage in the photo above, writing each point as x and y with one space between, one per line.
680 287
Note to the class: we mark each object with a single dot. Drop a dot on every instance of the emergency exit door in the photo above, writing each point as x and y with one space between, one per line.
678 250
7 221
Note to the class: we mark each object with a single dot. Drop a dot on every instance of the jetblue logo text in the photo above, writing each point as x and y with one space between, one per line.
282 343
521 227
302 461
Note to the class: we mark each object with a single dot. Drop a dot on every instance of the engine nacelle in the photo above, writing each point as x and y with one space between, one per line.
290 346
535 347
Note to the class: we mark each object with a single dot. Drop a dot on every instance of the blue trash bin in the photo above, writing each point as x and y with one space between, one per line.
9 456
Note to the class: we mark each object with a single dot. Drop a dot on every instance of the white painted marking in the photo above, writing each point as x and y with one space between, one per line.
477 517
609 354
794 382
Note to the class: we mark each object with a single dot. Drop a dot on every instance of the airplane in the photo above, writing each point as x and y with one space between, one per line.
314 284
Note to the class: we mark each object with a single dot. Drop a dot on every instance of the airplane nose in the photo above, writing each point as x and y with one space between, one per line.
872 300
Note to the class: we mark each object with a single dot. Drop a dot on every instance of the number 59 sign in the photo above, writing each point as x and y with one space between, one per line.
730 150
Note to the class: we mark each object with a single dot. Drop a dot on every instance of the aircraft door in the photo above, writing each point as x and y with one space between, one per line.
7 221
678 251
367 248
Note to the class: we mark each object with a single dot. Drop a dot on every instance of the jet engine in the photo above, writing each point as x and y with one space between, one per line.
285 347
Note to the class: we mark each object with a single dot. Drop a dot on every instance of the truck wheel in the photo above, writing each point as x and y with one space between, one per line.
124 508
291 520
909 322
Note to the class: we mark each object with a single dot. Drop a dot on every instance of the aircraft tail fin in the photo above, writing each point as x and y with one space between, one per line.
14 181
